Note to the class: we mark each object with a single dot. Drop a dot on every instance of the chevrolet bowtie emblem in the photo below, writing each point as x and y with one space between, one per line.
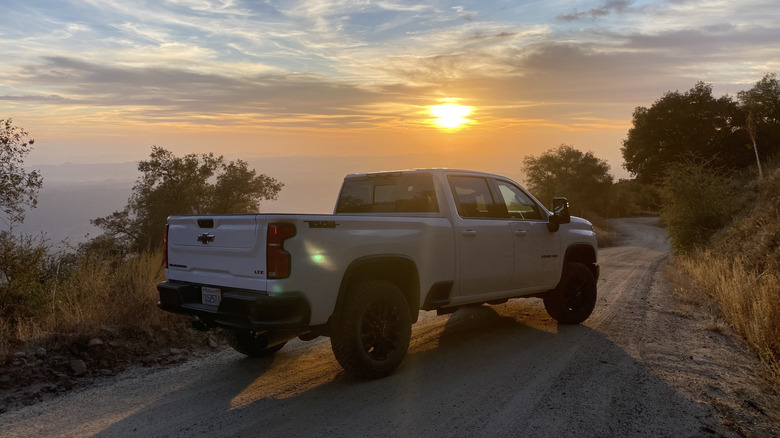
205 238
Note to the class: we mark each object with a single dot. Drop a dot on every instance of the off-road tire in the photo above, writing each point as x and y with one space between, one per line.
371 336
249 343
573 300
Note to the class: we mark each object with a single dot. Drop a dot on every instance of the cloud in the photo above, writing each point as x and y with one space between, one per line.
463 13
610 7
169 93
40 98
335 64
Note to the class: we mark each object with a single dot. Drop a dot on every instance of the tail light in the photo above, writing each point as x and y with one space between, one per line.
165 247
278 262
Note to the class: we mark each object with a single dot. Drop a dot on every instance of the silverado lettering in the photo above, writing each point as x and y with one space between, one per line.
322 224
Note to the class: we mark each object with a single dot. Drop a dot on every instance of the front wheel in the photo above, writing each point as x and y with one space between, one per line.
371 337
250 343
573 300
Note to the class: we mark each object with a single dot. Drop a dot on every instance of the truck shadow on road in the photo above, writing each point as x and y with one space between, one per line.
484 371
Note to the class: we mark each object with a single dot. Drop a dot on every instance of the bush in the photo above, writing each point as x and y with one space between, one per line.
755 236
697 201
23 277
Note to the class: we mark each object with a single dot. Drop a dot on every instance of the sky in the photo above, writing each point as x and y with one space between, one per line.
320 82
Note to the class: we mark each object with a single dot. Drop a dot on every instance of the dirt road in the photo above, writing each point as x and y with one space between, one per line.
638 367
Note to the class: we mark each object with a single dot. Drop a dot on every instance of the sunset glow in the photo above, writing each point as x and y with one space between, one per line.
450 116
312 89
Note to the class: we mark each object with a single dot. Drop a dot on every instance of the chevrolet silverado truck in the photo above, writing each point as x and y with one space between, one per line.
397 243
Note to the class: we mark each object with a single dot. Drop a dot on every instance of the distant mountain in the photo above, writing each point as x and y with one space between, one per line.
65 208
73 194
96 172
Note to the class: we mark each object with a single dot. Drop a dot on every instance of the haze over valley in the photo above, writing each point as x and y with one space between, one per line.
73 194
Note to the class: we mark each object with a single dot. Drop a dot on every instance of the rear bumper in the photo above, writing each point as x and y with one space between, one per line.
252 310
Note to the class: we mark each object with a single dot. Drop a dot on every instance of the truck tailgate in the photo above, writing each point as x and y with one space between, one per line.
223 250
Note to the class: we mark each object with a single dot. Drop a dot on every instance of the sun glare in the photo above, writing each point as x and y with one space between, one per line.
450 115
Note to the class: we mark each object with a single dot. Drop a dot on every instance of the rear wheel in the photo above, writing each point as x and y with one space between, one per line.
371 337
573 300
250 343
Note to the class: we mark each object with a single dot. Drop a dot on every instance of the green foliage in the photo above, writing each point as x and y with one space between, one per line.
754 237
698 199
193 184
18 187
565 171
23 276
761 104
23 259
629 197
683 124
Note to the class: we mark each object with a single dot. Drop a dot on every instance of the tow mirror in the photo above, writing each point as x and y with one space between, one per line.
560 210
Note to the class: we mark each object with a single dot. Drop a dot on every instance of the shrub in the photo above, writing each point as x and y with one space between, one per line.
697 201
755 236
23 277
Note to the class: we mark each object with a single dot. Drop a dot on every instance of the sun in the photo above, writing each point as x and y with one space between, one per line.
450 115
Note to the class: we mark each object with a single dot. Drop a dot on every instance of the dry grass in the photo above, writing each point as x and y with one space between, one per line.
749 301
102 293
94 294
737 277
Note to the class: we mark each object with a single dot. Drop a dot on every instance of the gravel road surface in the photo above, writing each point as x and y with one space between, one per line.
639 367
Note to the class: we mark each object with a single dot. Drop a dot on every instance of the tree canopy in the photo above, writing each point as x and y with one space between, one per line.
693 123
566 171
18 187
761 105
21 257
193 184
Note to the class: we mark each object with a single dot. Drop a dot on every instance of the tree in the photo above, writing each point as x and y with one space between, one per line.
629 197
681 124
565 171
18 187
193 184
762 106
21 257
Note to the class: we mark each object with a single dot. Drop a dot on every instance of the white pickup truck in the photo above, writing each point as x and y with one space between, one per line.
397 243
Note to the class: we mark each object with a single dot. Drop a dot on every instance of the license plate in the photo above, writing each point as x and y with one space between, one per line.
210 296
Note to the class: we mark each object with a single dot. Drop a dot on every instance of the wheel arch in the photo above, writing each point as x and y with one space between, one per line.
396 269
585 254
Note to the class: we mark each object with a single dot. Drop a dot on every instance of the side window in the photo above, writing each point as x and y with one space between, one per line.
518 204
402 193
357 196
473 198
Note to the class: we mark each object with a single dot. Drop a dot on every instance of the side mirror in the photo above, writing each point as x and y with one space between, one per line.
560 209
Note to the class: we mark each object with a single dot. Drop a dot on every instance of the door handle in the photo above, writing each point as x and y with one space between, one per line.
521 233
469 233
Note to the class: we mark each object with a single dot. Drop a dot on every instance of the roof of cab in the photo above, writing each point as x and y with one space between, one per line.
434 170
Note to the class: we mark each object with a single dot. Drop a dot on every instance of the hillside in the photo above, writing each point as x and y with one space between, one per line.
740 272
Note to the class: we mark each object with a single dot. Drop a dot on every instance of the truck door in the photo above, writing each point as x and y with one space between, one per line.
536 250
483 238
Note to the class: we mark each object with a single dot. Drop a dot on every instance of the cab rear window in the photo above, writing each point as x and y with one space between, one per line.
388 193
